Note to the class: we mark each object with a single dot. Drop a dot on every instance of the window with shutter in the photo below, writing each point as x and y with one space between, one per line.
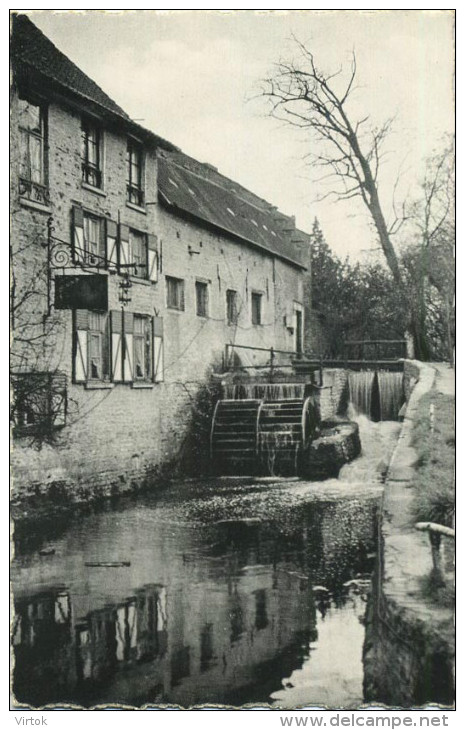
138 253
91 346
89 246
98 347
142 347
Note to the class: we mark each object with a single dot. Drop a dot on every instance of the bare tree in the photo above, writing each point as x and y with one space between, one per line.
39 398
349 152
429 260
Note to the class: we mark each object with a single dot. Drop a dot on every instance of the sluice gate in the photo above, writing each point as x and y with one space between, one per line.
252 436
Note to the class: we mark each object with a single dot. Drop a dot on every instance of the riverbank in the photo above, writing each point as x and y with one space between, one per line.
409 647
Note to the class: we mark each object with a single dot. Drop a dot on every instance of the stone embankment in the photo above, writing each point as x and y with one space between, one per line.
409 646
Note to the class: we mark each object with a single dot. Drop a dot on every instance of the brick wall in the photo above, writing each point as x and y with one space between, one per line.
119 437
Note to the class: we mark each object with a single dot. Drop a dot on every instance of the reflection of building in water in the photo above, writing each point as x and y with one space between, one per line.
43 644
187 645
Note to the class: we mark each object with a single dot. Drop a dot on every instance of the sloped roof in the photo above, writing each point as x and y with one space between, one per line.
185 185
30 46
200 191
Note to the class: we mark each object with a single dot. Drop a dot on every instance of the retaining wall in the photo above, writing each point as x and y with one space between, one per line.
409 645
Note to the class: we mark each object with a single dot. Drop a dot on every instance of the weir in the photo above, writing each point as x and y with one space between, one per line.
378 395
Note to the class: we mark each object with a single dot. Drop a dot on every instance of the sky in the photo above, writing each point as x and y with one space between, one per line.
194 77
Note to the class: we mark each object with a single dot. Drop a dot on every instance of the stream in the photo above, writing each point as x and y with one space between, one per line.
223 591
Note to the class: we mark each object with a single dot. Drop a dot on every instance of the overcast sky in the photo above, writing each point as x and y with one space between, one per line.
193 77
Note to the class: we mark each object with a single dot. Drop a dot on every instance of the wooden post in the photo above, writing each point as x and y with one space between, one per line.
271 363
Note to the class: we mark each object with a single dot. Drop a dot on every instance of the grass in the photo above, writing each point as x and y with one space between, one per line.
435 472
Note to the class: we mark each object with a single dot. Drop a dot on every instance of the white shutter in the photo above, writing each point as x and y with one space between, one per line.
158 354
116 346
124 246
128 367
152 252
80 345
79 250
112 248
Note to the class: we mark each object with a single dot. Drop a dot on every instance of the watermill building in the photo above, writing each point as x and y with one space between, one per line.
134 266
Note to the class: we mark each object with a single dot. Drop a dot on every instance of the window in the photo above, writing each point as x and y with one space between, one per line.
175 293
32 173
138 252
39 402
91 154
94 243
231 306
135 193
201 298
256 308
98 347
117 346
142 347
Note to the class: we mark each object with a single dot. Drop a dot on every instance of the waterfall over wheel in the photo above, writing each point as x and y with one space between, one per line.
252 436
233 439
280 436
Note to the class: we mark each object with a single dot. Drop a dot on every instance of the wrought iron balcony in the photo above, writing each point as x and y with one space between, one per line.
34 191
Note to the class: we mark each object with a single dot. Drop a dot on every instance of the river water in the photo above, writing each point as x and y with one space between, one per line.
229 591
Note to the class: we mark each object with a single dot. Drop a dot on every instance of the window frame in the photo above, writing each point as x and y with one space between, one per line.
202 303
232 318
133 232
135 188
91 258
88 168
256 296
103 332
179 306
147 347
30 189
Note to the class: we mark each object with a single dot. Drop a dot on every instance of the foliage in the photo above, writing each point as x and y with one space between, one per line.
434 480
355 301
428 260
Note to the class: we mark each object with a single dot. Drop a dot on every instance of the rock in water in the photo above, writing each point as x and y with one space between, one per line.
337 444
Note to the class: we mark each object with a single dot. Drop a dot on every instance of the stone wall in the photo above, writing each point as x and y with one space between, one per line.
120 437
409 646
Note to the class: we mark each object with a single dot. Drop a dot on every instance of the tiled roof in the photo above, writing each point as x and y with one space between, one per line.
31 47
199 190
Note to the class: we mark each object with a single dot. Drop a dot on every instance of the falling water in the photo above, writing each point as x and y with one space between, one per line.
266 391
361 390
390 395
377 395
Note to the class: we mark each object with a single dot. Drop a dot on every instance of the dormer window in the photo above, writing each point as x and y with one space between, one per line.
91 154
32 168
135 192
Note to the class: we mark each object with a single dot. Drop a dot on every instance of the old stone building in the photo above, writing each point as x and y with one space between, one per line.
133 267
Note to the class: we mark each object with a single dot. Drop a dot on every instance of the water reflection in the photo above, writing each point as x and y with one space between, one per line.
205 613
